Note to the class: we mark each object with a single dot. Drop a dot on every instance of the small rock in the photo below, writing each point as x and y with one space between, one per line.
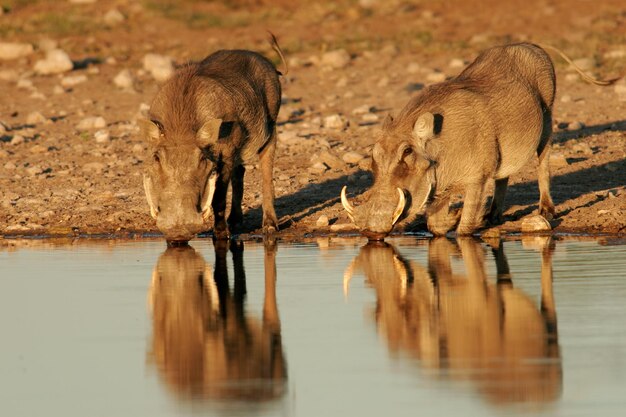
58 90
25 84
413 68
566 98
535 224
390 49
113 17
322 221
370 117
456 63
34 170
352 157
436 77
73 80
572 77
575 126
102 136
96 167
383 82
138 149
56 62
336 59
14 50
558 160
331 160
10 166
582 147
17 139
9 75
342 82
91 123
620 88
160 67
38 149
3 153
34 118
601 212
366 108
336 121
616 53
124 79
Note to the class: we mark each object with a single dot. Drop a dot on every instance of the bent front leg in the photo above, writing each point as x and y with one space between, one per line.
473 209
220 230
440 221
235 217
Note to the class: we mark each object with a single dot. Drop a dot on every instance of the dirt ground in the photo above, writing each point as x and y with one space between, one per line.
58 178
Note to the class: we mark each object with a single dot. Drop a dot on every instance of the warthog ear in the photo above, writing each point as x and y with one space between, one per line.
209 132
424 127
150 130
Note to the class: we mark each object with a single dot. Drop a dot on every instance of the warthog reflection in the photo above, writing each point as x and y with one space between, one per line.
204 343
464 326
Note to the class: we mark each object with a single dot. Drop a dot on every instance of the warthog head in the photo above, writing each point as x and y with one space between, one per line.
179 179
404 177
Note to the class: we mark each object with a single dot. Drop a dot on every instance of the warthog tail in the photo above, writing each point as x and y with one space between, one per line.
279 51
583 74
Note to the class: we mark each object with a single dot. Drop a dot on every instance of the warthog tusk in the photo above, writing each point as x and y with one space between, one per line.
147 186
346 204
430 189
208 197
400 207
402 274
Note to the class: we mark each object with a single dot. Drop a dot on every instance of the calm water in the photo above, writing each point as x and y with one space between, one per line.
326 328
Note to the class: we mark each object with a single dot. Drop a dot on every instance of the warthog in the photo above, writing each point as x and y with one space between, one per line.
204 342
462 326
459 136
205 122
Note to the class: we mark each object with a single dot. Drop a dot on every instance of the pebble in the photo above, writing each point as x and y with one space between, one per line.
34 170
558 160
137 148
566 98
25 84
91 123
160 67
331 160
535 223
322 221
96 167
57 61
73 80
582 147
48 44
456 63
601 212
38 149
352 157
336 121
34 118
342 82
102 136
9 75
575 126
15 50
17 139
383 82
124 80
10 166
369 117
413 68
113 17
3 153
436 77
336 59
366 108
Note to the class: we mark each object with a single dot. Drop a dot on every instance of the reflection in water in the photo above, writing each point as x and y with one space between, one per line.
463 326
205 344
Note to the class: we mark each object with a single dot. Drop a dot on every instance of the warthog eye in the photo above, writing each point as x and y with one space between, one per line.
407 152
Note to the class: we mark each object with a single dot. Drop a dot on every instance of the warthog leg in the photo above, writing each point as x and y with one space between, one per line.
440 220
270 222
219 204
236 215
473 209
497 204
546 206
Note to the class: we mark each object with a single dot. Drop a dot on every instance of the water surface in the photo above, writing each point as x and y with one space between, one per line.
331 327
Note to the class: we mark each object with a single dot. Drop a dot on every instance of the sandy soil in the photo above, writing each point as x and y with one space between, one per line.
57 178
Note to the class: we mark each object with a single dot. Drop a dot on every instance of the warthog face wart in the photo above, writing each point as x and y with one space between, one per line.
404 179
179 179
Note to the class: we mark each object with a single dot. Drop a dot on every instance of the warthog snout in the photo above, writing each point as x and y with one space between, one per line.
377 216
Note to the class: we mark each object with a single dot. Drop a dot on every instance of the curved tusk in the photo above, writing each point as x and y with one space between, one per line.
430 189
346 204
402 275
400 207
208 197
211 287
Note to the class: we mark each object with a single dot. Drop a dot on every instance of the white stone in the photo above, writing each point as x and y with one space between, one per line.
102 136
48 44
25 84
9 75
336 121
34 118
322 221
535 223
160 67
370 117
456 63
352 157
338 58
413 68
366 108
17 139
14 50
73 80
88 123
56 62
113 17
436 77
124 79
